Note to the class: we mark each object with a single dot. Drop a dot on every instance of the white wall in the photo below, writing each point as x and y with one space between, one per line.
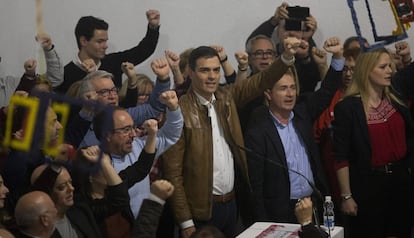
184 23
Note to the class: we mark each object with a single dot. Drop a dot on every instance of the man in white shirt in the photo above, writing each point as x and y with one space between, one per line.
205 166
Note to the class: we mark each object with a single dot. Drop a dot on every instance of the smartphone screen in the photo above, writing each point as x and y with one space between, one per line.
293 24
298 12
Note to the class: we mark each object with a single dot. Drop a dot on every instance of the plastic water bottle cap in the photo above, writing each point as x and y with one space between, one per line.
328 198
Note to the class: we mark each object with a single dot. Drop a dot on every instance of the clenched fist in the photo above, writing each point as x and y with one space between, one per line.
153 17
150 126
162 189
30 67
161 68
169 98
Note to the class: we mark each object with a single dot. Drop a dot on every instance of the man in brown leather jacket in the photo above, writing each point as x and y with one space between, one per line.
206 167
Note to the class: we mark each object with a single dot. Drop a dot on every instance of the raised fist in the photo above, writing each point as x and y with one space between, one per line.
291 46
128 69
153 17
169 98
45 40
89 65
160 68
162 189
333 45
30 67
150 126
242 58
172 58
319 56
220 51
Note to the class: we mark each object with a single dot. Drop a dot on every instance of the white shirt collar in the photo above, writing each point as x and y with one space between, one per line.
204 101
78 62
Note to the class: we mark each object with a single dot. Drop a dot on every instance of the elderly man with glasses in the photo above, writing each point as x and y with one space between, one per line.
99 86
261 54
120 140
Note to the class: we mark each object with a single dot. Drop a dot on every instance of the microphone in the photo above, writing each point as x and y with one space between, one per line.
316 191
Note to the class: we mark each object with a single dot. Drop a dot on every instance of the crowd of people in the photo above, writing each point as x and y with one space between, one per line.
189 156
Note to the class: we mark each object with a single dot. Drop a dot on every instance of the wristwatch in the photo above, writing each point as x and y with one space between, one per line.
346 197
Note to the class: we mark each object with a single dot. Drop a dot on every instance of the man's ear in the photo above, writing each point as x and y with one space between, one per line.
190 73
44 220
83 41
267 93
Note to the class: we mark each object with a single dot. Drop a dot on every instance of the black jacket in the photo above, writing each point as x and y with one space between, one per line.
270 183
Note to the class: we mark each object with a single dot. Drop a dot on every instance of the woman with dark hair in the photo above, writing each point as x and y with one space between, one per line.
74 219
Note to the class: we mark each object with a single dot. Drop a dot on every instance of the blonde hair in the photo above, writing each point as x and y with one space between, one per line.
364 65
74 90
43 80
143 82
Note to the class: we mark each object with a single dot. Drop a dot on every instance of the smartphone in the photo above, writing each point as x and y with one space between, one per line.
293 24
405 10
298 12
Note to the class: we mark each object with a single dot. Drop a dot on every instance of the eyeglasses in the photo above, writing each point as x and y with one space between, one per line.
106 92
262 54
348 69
126 130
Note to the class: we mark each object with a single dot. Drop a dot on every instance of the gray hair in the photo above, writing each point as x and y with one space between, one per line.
86 85
250 42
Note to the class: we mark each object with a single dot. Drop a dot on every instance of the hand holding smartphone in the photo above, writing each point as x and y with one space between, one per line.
297 15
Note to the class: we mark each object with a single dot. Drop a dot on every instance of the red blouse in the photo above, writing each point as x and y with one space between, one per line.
387 134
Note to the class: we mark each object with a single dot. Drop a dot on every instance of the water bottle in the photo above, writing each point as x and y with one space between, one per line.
328 213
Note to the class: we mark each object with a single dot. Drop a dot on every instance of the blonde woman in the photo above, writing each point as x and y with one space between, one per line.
144 86
372 133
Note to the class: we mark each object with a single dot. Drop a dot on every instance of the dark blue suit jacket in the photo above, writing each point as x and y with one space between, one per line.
270 183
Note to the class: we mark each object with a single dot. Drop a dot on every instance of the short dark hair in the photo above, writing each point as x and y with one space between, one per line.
201 52
45 181
352 53
86 27
351 39
103 122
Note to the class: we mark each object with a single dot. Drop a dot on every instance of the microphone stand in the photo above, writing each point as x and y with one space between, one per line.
316 191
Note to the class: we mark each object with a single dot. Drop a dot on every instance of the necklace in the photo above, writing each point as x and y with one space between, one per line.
381 113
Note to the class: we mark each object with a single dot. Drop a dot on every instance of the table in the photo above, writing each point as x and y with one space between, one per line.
287 229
